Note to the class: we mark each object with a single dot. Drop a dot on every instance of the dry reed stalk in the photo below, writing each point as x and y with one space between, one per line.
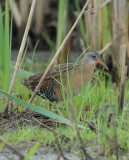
107 46
118 29
87 19
24 11
91 19
127 42
91 22
87 27
17 15
58 52
41 9
40 13
123 73
94 26
20 55
102 26
100 6
127 38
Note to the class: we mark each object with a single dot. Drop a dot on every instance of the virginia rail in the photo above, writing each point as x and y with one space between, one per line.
51 88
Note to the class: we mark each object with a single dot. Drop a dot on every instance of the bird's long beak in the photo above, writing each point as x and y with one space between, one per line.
99 60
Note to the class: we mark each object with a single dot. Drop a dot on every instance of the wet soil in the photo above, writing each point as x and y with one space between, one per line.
44 153
50 153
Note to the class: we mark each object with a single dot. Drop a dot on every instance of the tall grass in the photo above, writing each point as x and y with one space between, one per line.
81 23
62 24
61 7
5 47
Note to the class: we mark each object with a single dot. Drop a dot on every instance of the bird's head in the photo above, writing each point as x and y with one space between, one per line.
93 57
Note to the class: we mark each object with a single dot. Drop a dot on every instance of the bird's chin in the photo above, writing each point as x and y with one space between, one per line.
93 62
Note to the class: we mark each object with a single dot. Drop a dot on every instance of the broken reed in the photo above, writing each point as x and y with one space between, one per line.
123 73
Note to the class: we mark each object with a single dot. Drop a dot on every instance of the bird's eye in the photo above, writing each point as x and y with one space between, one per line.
93 56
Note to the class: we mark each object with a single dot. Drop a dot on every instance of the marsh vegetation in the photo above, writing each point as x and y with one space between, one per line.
95 123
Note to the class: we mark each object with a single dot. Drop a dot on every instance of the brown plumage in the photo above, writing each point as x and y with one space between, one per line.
78 76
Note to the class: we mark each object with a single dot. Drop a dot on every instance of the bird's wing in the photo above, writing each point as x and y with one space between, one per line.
53 74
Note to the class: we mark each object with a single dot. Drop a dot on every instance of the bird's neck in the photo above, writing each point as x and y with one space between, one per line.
81 76
88 67
87 71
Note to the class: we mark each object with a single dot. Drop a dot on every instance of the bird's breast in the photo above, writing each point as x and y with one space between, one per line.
81 77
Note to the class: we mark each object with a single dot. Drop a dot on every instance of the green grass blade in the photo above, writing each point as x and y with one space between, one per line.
24 55
2 46
60 22
33 55
7 55
47 38
32 151
22 72
81 23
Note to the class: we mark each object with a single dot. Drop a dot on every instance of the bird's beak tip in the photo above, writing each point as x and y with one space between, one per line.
107 68
102 63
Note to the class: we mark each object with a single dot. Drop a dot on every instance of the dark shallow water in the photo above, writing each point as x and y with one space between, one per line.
44 56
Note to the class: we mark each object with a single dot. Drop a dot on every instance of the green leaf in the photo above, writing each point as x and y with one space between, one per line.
38 109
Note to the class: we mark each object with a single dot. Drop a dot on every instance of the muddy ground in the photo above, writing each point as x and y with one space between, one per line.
44 153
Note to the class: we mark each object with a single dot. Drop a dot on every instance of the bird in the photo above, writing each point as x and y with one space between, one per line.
78 75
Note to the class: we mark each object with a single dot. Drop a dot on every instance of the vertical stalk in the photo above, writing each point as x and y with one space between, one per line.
62 29
60 25
81 23
123 74
91 19
2 46
118 31
22 47
102 26
7 47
